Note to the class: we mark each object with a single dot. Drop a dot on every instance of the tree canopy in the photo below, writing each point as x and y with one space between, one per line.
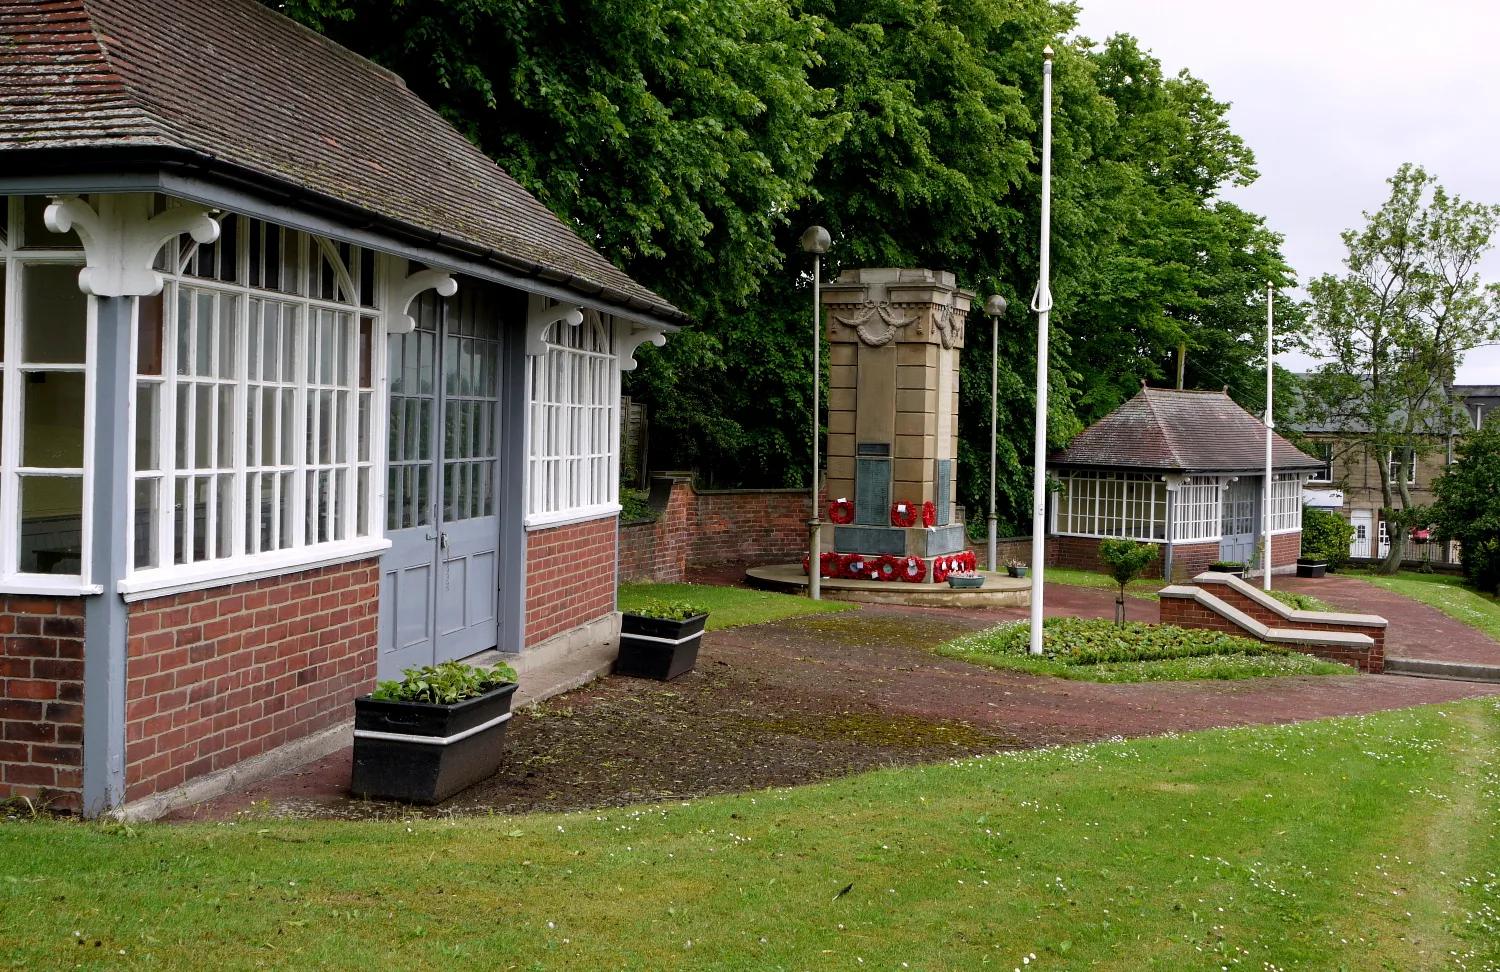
693 140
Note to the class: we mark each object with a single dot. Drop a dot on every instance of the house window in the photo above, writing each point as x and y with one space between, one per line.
1107 504
1197 514
253 398
1398 459
1286 503
574 396
45 379
1323 451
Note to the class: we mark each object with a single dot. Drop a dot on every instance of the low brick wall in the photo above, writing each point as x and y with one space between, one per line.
1235 599
1188 613
693 528
570 576
217 676
41 700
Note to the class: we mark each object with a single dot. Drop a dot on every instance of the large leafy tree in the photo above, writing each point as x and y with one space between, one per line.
693 140
1468 506
1393 329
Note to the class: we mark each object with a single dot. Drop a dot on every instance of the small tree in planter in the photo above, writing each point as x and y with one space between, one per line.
1126 561
430 734
660 640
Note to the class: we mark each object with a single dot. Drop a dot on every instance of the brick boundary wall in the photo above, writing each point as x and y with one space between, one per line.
1188 613
702 527
41 700
570 576
217 676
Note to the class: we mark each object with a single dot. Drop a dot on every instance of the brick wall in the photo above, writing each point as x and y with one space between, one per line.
712 527
1188 613
570 576
217 676
1266 616
41 700
1285 549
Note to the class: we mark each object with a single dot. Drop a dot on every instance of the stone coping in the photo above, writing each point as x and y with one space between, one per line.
1284 611
1299 636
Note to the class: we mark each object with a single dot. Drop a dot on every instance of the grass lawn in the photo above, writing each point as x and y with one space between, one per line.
1088 578
729 607
1006 647
1359 843
1448 594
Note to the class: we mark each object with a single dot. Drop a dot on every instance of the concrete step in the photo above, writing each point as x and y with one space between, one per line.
1426 668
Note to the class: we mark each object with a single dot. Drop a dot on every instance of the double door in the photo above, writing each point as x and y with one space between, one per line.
1240 541
440 579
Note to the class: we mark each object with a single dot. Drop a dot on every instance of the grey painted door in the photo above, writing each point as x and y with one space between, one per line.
1241 521
439 584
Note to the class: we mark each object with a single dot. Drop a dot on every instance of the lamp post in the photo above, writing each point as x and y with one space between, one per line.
995 307
1041 303
815 241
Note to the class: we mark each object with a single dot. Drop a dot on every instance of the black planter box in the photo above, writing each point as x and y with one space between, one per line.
1311 567
419 753
657 648
1225 569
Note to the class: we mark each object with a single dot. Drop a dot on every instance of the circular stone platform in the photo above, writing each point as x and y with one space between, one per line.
999 590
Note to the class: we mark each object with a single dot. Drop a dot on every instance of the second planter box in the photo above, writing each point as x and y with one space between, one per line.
658 648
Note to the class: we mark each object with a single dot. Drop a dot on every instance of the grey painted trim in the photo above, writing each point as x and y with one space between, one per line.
511 490
105 615
219 196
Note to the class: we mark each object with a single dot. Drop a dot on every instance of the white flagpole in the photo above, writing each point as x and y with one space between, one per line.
1041 303
1265 557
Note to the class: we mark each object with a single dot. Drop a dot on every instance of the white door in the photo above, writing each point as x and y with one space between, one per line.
1364 524
1241 522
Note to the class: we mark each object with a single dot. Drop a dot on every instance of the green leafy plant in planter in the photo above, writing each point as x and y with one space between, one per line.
669 610
445 684
1326 536
1227 567
1125 560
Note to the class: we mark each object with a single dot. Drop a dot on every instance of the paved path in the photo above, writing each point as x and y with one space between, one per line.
1416 630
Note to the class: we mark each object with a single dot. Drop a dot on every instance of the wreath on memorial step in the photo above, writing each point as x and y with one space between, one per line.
941 568
887 568
854 567
841 511
903 514
913 569
929 514
831 563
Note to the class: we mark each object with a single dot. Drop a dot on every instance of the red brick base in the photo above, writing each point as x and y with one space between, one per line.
217 676
570 577
1188 613
41 700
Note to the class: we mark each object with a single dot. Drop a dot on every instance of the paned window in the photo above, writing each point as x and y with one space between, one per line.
45 378
1197 513
1108 504
1286 502
1323 451
1396 461
253 399
574 397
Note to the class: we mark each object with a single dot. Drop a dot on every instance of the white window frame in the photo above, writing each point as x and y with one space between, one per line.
12 580
301 554
1140 517
1324 474
1286 503
1198 510
1390 467
552 477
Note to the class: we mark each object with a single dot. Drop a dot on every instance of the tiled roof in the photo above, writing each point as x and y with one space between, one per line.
240 87
1180 431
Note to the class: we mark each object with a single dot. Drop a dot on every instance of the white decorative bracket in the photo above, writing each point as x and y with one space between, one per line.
632 336
1175 481
539 319
121 240
400 321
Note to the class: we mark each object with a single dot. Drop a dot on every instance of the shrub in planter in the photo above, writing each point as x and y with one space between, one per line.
430 734
660 640
1325 537
1234 567
1016 568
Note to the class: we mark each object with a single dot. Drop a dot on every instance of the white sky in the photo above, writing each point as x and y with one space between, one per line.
1333 95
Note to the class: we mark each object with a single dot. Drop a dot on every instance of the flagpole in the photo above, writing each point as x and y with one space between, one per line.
1041 303
1265 558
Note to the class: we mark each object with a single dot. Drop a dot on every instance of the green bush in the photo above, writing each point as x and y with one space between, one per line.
632 507
669 610
1094 641
444 684
1468 506
1326 534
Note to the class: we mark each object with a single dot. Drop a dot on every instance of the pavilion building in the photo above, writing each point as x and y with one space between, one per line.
297 389
1183 469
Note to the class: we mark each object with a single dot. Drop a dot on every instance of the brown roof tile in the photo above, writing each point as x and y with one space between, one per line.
237 83
1180 431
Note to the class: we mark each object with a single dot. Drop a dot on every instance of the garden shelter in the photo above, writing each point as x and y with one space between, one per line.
298 389
1183 469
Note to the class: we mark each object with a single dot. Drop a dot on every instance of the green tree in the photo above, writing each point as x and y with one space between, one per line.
1125 560
1327 535
1392 331
1468 506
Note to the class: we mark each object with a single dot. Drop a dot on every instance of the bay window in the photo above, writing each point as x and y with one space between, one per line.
1110 504
1197 515
1286 502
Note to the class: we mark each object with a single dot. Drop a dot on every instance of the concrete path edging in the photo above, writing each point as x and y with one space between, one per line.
1426 668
